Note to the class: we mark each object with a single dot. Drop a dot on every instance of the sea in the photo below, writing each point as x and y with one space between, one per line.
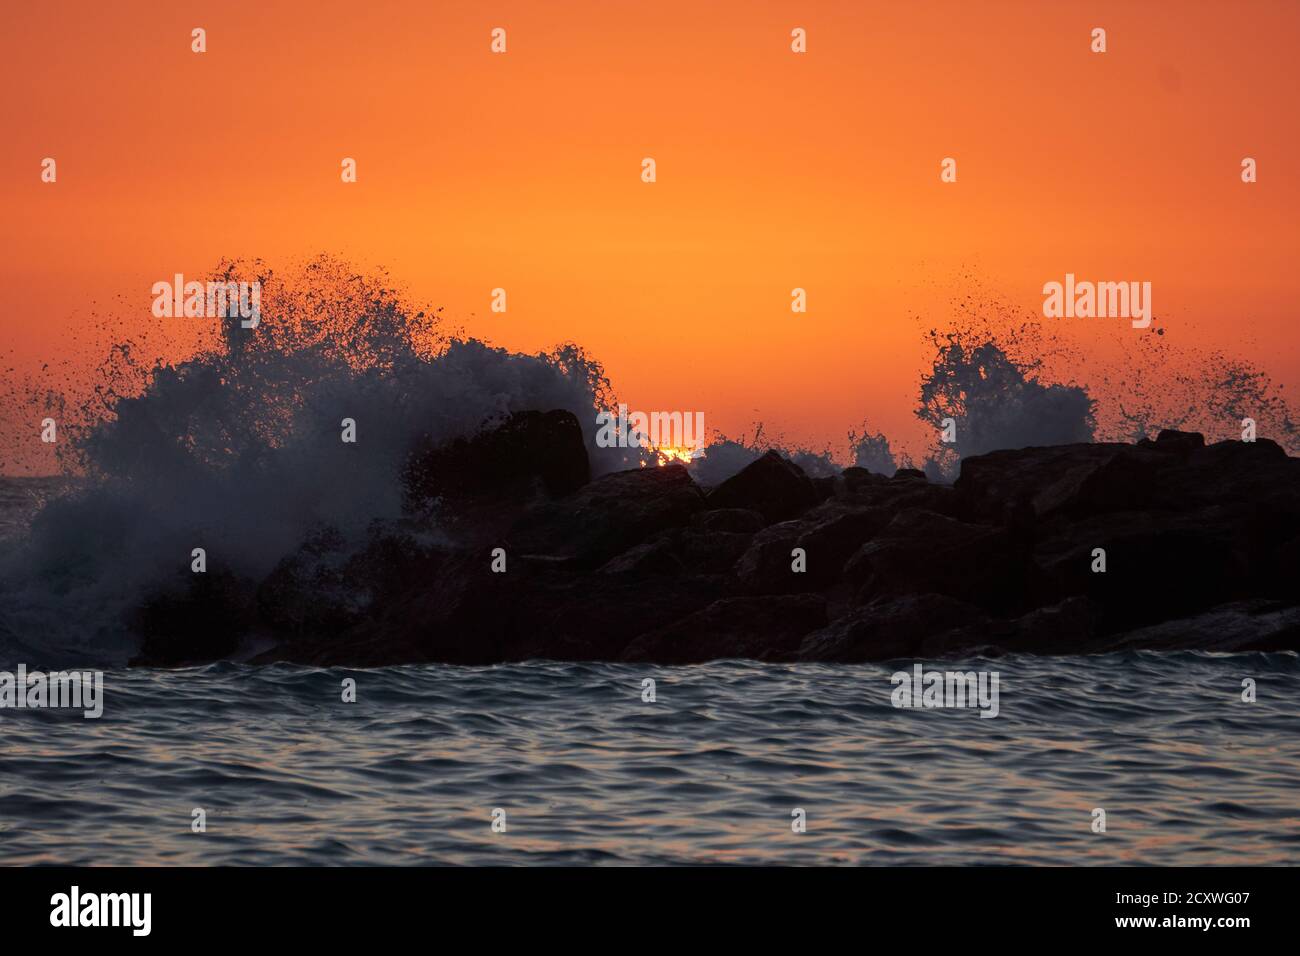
734 762
1122 759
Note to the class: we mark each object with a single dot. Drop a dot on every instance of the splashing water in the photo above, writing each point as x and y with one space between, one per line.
237 449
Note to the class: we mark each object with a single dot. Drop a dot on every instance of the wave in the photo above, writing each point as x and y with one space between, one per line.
238 448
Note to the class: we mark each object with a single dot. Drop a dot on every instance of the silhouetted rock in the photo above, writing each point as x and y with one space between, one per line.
200 618
827 535
765 567
681 551
912 625
740 520
763 628
920 551
1164 544
773 486
995 486
609 515
835 530
1254 625
542 447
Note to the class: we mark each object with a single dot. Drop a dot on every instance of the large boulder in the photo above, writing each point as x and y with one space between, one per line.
912 625
775 487
1251 625
690 550
766 566
766 628
1001 485
834 531
908 488
920 551
828 535
544 449
1157 565
193 619
737 520
608 516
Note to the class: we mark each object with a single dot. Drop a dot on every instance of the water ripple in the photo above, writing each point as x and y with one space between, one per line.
588 773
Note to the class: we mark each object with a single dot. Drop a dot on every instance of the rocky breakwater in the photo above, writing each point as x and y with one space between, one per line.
508 552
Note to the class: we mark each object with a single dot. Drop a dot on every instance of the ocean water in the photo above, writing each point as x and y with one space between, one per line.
238 451
589 773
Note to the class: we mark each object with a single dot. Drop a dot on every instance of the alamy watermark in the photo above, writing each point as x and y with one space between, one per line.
71 690
241 300
75 908
1103 300
924 689
679 431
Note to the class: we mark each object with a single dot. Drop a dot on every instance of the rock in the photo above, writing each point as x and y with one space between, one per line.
920 551
710 552
864 489
834 532
1183 443
199 618
828 534
608 516
1068 627
825 486
1158 566
545 448
857 480
1252 625
913 625
994 486
309 591
766 565
681 551
739 520
766 628
1202 548
773 486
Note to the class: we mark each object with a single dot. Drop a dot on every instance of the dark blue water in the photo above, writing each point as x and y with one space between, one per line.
587 772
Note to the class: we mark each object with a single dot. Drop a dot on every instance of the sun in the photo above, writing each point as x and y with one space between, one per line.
670 454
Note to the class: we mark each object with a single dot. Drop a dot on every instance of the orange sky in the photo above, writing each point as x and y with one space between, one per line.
775 170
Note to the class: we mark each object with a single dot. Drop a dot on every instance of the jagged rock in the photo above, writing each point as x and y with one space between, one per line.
913 625
773 486
710 552
1158 565
765 567
824 486
920 551
308 591
828 534
608 516
528 447
766 628
199 618
994 486
912 490
1068 627
1252 625
681 551
859 479
1171 439
835 531
739 520
1202 551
